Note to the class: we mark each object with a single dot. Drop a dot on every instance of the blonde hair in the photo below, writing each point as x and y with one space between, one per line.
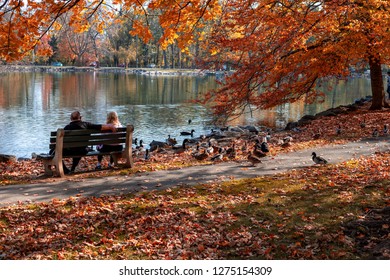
112 118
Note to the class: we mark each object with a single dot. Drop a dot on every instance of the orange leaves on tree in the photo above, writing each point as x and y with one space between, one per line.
141 30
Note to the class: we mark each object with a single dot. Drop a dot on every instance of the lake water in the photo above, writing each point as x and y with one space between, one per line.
32 104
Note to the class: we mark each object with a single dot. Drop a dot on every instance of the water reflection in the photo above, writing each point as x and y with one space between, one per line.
33 104
337 93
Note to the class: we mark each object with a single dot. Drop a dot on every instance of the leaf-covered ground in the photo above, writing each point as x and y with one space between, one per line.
298 215
322 212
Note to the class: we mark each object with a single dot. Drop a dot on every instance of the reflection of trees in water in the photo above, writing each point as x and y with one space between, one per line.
343 92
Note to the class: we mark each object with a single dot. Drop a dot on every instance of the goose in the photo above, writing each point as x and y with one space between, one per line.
140 147
185 133
318 159
147 155
253 159
385 129
135 141
375 133
216 134
154 145
226 128
182 148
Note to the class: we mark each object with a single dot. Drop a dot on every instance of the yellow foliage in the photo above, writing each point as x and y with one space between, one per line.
57 26
80 28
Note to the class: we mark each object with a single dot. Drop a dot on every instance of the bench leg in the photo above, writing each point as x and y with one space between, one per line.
60 169
47 165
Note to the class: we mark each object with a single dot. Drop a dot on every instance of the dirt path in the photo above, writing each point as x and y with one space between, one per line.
72 186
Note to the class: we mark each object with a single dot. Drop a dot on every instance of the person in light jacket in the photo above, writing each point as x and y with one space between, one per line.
112 119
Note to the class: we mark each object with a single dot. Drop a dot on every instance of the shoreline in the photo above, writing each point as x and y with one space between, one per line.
291 126
139 71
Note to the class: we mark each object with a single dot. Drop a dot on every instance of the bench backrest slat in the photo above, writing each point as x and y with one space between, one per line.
86 131
92 137
86 137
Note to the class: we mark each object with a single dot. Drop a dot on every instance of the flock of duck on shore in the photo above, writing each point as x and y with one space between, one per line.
218 145
228 143
248 143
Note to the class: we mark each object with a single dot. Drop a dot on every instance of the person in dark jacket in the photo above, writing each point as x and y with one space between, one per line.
75 124
388 83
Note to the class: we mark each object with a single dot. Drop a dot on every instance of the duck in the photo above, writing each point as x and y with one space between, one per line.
258 153
219 156
286 141
318 159
375 133
338 130
363 123
211 149
186 133
264 146
201 156
231 152
317 135
268 136
171 141
253 159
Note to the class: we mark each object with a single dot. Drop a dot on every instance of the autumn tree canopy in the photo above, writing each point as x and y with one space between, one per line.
280 50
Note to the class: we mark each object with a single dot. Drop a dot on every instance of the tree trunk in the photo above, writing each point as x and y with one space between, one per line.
377 87
165 59
157 62
172 57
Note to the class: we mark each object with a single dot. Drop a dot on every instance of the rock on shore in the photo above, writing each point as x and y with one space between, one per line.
7 158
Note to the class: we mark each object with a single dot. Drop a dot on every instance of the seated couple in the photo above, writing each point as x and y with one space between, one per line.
76 123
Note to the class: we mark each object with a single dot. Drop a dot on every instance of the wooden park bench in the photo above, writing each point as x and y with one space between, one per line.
62 139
